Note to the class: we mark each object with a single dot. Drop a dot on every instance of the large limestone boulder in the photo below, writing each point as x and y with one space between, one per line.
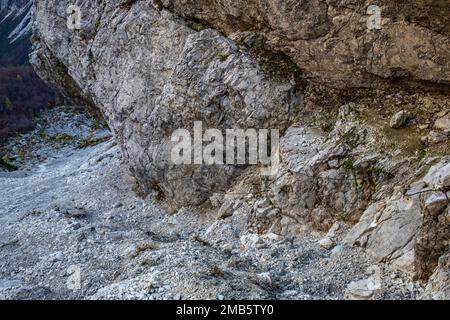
150 74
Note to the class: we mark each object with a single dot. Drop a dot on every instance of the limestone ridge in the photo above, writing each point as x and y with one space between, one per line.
309 68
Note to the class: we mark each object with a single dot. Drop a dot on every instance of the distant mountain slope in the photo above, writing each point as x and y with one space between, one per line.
15 31
22 93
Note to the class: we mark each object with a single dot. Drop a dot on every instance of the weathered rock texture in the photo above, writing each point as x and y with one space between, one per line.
438 287
150 74
330 41
410 229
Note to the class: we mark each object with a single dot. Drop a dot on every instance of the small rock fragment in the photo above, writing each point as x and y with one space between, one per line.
263 203
262 212
337 250
332 232
272 236
177 296
443 178
400 119
252 241
226 210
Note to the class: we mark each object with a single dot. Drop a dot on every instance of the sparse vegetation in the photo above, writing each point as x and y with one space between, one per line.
159 4
421 154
